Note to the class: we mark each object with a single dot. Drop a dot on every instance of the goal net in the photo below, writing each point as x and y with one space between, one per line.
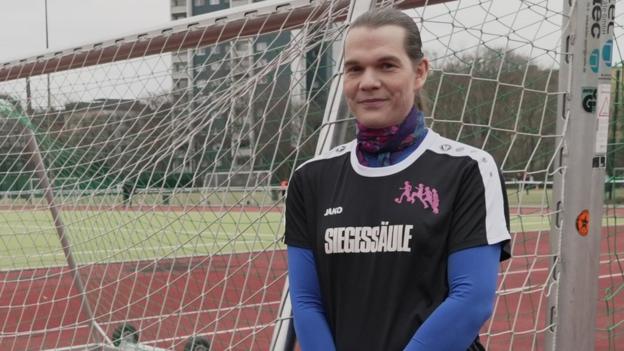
142 178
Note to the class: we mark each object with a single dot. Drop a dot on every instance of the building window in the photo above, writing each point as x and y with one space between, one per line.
201 99
214 2
200 2
242 48
214 66
182 83
179 67
202 51
214 85
201 83
261 46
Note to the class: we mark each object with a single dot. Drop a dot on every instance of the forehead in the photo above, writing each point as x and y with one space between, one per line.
366 43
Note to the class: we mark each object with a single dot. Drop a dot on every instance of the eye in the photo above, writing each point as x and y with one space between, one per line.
352 69
387 66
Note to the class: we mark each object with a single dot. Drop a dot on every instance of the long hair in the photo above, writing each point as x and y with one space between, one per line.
412 44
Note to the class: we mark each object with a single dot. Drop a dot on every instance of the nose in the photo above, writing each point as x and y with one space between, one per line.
369 80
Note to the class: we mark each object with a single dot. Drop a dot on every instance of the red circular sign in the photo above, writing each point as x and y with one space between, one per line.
582 223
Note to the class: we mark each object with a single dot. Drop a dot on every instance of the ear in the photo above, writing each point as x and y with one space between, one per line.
422 70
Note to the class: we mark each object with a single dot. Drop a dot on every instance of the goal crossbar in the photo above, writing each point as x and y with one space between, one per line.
197 31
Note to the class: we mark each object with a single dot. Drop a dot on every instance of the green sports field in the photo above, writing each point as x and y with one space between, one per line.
113 236
30 239
148 231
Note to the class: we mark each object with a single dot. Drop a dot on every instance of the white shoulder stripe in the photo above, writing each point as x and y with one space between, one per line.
335 152
392 169
495 223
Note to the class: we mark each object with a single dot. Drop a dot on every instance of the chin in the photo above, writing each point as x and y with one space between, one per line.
374 119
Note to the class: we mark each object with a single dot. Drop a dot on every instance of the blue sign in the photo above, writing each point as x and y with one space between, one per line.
607 52
594 60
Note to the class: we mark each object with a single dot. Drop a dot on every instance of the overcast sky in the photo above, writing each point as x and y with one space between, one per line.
459 26
72 22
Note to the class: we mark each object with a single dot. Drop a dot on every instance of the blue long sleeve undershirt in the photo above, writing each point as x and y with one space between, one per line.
472 283
311 325
472 276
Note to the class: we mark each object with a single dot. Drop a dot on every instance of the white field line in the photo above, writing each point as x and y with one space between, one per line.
541 286
223 238
545 269
103 231
192 234
140 319
258 238
151 256
143 249
538 287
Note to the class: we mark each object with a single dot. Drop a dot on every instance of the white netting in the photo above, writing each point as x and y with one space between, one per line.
166 172
497 89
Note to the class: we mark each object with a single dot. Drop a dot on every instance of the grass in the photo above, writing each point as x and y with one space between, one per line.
112 236
29 238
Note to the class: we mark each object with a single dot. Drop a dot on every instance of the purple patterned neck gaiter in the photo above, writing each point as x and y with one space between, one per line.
385 143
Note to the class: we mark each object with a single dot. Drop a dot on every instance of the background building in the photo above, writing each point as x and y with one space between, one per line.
230 132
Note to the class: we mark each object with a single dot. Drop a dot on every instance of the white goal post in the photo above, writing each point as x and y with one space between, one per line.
142 203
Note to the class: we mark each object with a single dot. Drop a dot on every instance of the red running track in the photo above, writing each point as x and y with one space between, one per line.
234 299
518 315
231 300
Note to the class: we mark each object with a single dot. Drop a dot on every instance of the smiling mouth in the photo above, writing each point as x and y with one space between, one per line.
371 101
372 104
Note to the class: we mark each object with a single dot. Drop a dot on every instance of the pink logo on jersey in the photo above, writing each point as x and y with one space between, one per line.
428 196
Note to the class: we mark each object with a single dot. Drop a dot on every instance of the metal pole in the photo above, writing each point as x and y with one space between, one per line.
46 24
44 184
284 337
578 189
29 108
47 41
613 142
36 161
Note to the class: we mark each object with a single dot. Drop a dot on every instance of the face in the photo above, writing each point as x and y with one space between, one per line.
380 81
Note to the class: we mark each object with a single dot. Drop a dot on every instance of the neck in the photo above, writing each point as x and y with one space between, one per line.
392 138
386 146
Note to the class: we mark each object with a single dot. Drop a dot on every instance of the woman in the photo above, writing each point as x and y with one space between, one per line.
394 239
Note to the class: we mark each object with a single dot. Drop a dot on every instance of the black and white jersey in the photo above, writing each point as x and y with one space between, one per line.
382 236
